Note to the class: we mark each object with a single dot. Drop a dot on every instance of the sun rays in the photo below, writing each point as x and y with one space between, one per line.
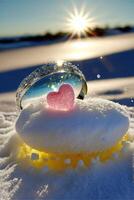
79 22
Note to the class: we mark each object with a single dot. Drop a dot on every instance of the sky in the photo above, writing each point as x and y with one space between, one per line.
18 17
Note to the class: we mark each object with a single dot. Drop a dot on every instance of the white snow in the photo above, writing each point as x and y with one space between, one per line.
93 125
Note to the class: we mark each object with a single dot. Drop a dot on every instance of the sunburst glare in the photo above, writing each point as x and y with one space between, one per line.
79 22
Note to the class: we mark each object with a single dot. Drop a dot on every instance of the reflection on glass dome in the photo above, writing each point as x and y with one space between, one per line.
49 83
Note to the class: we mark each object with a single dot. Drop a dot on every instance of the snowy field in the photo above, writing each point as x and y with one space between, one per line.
108 64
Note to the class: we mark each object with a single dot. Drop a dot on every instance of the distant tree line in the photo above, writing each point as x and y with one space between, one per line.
95 32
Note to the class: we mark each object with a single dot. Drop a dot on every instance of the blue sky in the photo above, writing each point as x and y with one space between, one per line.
38 16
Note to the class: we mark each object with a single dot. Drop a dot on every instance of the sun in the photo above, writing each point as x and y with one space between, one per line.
79 22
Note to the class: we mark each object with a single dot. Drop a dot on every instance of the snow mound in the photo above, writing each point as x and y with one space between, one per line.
93 125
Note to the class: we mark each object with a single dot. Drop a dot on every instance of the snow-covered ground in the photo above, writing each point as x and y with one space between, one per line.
69 50
112 180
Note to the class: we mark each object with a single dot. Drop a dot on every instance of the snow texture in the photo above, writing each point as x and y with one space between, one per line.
112 180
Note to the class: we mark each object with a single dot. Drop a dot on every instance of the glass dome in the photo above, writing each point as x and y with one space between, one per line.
47 78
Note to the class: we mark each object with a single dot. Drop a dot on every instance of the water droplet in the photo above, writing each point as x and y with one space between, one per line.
132 100
98 76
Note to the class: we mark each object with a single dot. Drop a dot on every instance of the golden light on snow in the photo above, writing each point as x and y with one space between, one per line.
79 22
28 156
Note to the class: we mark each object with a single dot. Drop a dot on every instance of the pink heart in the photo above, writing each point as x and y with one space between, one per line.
63 99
